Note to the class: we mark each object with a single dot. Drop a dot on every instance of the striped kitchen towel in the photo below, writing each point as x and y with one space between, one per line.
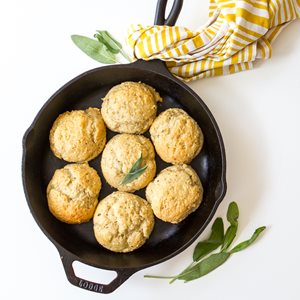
236 34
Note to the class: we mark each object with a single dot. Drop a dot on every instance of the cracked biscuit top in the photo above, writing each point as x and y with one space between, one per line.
176 136
130 107
120 154
78 136
175 193
73 193
123 222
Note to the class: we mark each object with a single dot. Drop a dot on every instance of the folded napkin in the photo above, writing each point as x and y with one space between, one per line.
236 34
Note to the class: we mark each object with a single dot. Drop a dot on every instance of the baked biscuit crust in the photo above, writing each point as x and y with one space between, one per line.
118 157
73 193
130 107
176 136
123 222
79 135
175 193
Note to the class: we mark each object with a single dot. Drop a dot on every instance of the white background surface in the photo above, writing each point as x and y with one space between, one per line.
258 114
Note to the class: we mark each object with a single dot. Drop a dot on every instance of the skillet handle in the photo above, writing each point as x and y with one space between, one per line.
156 65
173 15
67 261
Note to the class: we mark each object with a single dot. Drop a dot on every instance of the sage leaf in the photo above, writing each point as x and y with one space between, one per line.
213 242
232 217
134 175
137 164
205 266
94 49
99 38
111 43
232 213
106 38
135 172
243 245
229 237
174 278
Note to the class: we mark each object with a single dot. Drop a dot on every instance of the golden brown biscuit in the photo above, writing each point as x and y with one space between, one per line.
175 193
176 136
120 154
123 222
73 193
79 135
130 107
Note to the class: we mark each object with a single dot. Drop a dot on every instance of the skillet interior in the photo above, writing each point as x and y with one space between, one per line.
39 165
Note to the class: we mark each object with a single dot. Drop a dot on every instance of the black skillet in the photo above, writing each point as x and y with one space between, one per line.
77 242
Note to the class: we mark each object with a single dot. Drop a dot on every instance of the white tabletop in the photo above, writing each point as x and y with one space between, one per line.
258 114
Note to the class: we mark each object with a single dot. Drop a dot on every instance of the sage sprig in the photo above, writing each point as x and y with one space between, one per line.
104 48
203 263
135 172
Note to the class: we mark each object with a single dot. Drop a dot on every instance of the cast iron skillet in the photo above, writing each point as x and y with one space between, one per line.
77 242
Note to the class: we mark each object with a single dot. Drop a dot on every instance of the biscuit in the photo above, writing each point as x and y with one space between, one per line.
123 222
130 107
120 154
175 193
78 136
73 193
176 136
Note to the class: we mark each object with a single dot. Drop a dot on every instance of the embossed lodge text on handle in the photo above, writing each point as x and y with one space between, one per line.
68 259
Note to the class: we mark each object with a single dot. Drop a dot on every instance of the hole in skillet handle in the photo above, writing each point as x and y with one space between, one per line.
67 260
161 10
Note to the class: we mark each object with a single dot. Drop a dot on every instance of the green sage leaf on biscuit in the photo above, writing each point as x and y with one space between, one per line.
135 172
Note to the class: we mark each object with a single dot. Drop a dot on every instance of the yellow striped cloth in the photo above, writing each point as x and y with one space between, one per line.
236 34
